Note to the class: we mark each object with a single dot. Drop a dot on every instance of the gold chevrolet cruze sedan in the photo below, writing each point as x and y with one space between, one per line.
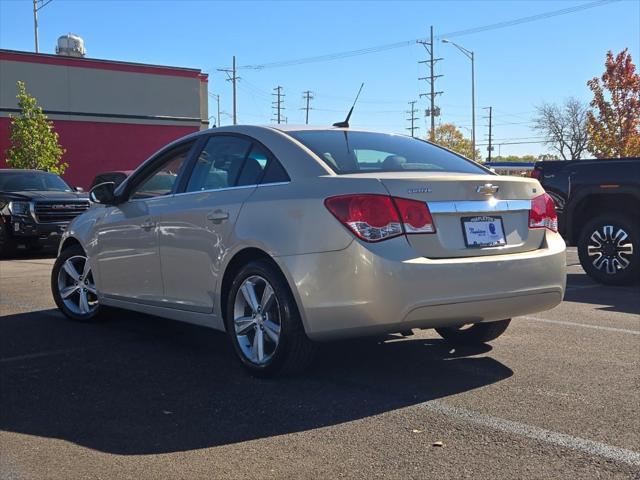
285 237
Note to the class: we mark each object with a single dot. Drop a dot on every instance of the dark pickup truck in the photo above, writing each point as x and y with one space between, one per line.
598 205
35 208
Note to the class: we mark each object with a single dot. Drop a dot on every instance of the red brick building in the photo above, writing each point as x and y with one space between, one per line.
109 115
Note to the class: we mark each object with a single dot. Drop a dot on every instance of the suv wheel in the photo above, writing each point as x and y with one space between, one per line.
609 249
475 334
73 287
263 322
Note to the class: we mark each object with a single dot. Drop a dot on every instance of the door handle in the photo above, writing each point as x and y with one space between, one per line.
217 216
148 225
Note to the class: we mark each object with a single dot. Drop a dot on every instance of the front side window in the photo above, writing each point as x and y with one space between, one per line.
362 152
161 181
219 165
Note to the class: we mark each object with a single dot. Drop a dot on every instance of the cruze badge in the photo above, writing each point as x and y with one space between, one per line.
419 190
487 189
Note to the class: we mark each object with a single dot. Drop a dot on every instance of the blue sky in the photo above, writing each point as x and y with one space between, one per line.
517 67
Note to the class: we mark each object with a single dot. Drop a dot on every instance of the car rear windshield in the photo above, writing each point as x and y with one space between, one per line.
32 181
362 152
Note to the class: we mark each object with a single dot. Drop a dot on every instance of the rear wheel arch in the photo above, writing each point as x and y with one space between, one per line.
239 260
598 203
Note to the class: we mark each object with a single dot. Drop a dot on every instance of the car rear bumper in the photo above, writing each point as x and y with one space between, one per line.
369 289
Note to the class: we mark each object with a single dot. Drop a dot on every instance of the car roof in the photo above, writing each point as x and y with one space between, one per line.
283 128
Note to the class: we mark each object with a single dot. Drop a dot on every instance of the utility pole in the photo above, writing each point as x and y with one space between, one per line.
308 96
233 78
432 111
490 147
413 117
277 104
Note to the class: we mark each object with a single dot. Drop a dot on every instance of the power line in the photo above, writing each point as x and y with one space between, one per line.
413 117
389 46
515 143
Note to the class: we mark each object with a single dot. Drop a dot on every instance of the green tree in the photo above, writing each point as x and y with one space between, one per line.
448 136
34 142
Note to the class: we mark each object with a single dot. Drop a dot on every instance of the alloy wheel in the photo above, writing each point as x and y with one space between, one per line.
610 249
76 286
256 320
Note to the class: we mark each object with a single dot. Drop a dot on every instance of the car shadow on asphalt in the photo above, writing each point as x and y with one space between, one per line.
137 384
623 299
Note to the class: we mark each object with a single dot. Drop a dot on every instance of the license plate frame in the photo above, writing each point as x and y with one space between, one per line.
495 239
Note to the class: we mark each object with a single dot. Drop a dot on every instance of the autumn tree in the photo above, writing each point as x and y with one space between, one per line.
564 127
448 136
614 120
34 142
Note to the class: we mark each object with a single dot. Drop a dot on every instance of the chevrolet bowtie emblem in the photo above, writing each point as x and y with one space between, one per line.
487 189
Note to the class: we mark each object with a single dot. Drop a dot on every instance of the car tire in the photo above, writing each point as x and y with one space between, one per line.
8 246
73 287
475 334
609 249
266 331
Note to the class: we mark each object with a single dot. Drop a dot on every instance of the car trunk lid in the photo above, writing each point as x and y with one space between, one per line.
474 215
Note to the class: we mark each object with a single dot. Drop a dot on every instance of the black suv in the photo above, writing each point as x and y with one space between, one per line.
35 208
598 204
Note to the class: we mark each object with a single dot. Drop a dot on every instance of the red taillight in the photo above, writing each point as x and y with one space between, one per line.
415 216
379 217
543 213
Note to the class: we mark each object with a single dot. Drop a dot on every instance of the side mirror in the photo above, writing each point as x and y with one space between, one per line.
103 193
78 189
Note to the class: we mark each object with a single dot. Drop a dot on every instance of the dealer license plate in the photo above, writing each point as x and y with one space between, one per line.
483 231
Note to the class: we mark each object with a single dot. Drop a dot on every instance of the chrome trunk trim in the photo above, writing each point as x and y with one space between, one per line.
479 206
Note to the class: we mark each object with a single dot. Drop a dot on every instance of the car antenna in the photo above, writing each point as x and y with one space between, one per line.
345 124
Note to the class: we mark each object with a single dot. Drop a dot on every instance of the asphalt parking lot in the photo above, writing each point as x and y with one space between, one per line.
557 396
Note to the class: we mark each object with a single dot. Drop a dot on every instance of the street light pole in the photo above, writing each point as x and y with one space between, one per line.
471 56
38 5
217 97
473 104
35 23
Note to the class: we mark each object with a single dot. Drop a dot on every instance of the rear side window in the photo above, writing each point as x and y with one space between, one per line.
362 152
275 173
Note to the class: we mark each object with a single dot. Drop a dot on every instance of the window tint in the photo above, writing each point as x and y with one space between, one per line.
35 181
219 164
161 181
275 173
254 166
361 152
